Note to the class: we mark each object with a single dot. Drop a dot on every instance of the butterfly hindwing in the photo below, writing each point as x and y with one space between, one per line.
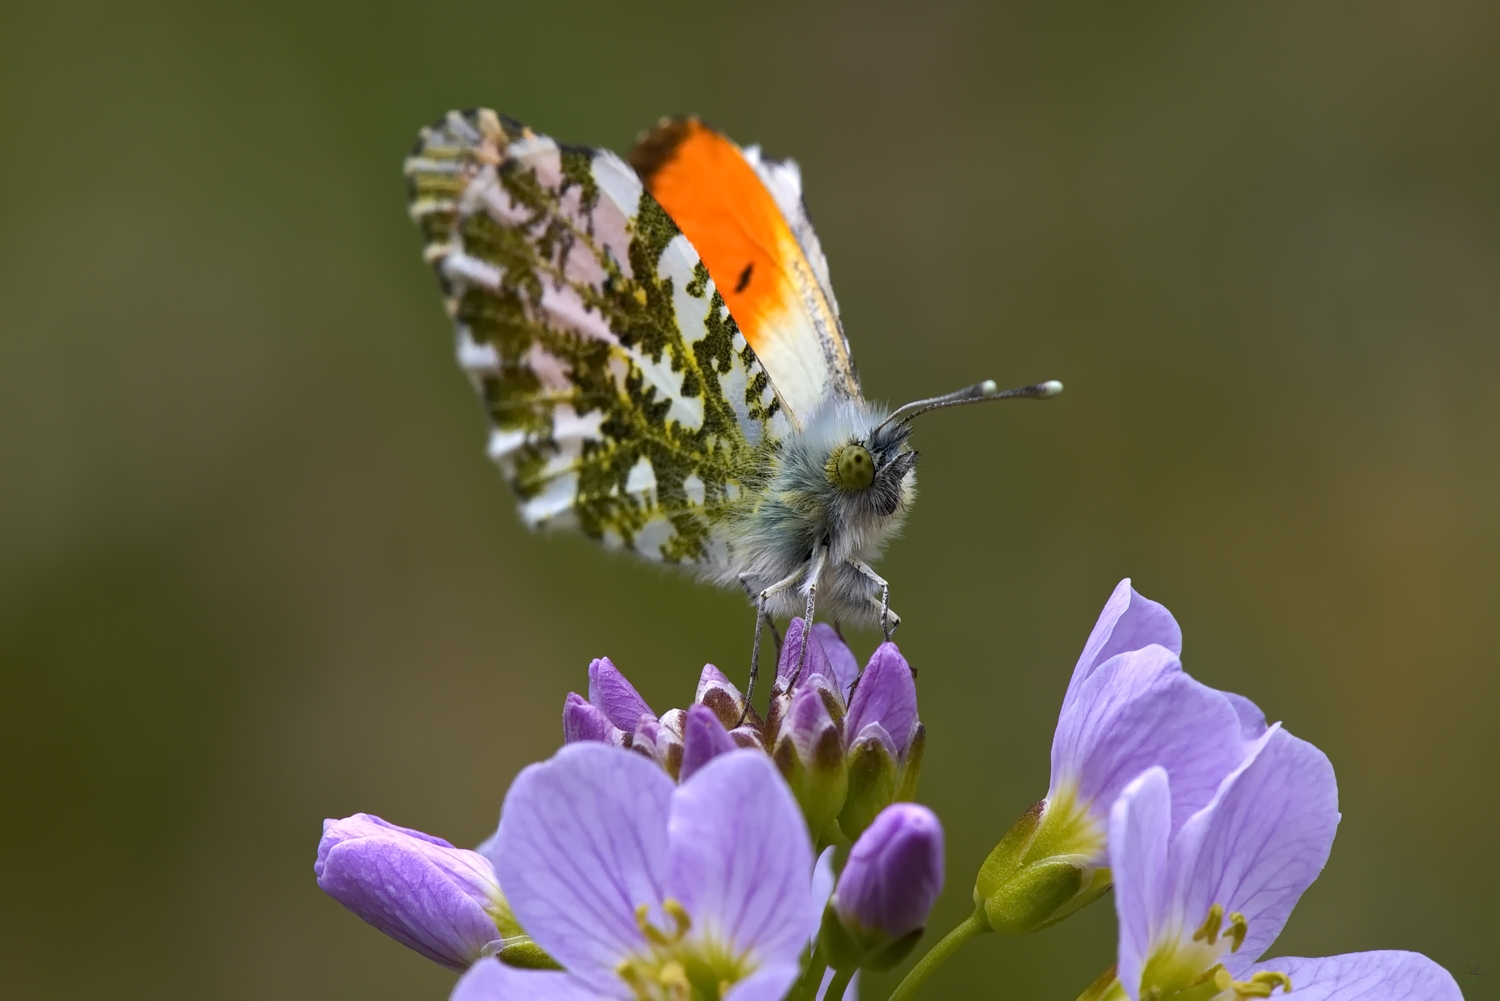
622 396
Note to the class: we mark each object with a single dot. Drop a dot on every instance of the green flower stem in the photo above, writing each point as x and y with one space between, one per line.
838 985
975 924
806 989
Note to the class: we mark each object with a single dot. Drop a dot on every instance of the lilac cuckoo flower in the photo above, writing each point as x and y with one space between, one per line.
642 888
848 750
442 901
1199 902
1128 706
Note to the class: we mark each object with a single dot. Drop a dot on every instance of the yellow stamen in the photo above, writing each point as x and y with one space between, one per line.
1211 925
1238 929
679 914
1260 985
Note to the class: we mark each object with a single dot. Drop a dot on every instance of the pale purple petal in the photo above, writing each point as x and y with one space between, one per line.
875 733
615 696
840 658
1139 828
367 825
815 660
582 842
704 739
1137 710
492 980
1128 622
806 721
1366 976
769 983
1252 720
851 993
712 678
741 859
1261 842
583 720
887 695
429 896
823 877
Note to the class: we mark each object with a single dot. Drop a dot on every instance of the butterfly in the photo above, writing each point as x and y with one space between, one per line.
659 351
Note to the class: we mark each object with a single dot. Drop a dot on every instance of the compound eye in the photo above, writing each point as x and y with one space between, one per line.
856 467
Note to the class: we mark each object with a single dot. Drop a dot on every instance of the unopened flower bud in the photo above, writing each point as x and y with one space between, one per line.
885 740
718 693
616 697
814 659
703 739
661 740
582 720
443 902
809 750
889 884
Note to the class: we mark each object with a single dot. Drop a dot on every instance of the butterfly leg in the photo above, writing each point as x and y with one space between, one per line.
761 617
886 626
769 621
819 560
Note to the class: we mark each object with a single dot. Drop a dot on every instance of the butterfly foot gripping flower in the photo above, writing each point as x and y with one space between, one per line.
891 880
1129 706
1200 901
645 889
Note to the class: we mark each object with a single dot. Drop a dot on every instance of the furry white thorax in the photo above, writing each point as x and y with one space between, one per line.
780 531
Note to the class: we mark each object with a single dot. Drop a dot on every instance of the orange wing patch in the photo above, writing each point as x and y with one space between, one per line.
713 192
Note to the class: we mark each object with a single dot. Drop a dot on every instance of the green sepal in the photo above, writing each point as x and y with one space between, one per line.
848 950
820 785
1098 886
1030 898
911 766
1042 871
1006 858
523 953
872 786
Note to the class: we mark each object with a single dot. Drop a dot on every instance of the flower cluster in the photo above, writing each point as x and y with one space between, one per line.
847 740
714 853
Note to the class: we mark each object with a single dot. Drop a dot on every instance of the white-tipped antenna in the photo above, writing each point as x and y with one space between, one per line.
976 393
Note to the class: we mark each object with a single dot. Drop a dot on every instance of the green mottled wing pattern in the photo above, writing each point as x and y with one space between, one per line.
623 400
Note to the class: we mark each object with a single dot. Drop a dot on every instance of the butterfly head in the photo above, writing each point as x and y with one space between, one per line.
872 472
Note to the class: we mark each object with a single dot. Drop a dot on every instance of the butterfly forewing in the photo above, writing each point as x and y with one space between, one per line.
744 213
623 398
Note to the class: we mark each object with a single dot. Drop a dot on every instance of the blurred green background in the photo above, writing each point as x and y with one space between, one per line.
255 570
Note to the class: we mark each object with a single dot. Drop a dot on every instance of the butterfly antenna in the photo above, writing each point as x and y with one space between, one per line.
977 393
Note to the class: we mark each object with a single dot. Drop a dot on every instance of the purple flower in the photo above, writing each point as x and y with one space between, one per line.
1198 904
889 884
641 888
1129 706
442 901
